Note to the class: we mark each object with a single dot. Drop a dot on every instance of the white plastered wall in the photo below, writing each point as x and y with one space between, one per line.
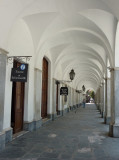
117 47
20 44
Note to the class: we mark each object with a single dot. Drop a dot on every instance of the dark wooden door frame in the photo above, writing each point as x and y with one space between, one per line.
44 88
17 108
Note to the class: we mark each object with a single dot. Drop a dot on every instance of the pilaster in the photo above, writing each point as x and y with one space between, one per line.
98 99
100 105
107 117
37 94
3 60
102 100
114 124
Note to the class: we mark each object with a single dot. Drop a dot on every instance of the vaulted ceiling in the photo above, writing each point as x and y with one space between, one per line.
78 34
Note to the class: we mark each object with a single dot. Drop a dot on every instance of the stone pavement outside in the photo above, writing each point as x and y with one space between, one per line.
75 136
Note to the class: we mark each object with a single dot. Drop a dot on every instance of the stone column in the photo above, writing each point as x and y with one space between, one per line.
72 97
114 124
69 96
103 99
81 97
100 100
52 114
60 102
75 97
97 98
78 99
3 60
108 104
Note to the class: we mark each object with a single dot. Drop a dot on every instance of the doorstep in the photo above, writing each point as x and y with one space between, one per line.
19 134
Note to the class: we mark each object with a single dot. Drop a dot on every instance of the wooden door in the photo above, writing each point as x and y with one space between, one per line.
17 104
57 98
44 88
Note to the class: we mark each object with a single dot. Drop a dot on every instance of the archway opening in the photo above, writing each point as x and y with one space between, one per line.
90 96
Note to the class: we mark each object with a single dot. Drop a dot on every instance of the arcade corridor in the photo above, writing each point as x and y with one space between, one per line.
54 56
74 136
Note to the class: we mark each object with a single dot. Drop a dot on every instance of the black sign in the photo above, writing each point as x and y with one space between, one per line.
19 74
63 91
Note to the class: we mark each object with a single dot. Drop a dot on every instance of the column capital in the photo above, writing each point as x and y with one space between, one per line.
101 85
113 69
2 51
110 69
107 78
37 69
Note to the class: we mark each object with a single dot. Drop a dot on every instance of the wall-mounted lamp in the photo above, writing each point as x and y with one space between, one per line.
71 76
83 88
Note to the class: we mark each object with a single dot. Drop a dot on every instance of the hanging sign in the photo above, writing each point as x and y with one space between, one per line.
19 74
64 91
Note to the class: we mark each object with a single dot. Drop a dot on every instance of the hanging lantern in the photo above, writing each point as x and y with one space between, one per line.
72 74
83 88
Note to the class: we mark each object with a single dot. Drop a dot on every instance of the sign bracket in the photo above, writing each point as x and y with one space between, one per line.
10 59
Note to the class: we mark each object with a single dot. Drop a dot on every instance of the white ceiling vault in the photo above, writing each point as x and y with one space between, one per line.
78 34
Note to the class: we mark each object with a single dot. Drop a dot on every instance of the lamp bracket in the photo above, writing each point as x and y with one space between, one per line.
110 69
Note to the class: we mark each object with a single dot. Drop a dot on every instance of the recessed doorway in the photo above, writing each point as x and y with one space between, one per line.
44 88
17 107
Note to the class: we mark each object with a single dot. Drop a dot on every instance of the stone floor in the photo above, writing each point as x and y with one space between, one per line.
75 136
